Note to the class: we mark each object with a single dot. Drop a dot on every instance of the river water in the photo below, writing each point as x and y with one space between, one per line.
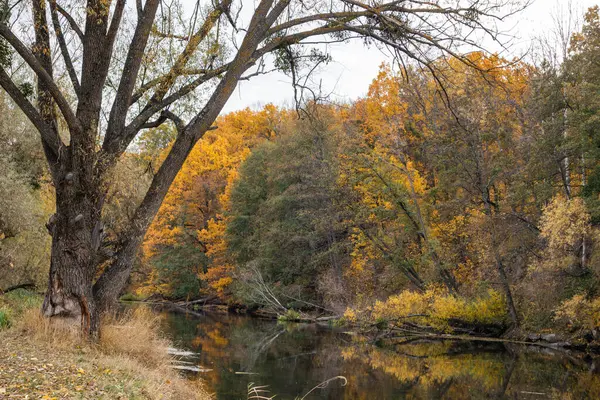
235 351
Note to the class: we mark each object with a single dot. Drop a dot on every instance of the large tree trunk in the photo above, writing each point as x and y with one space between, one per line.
76 220
112 282
76 234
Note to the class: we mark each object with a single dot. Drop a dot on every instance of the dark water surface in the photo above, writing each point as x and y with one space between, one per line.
293 359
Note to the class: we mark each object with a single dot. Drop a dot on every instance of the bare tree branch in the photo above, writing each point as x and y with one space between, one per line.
63 47
130 72
71 21
43 75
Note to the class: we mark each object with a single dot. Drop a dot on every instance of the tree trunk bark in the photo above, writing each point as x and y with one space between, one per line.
510 304
564 176
76 234
109 286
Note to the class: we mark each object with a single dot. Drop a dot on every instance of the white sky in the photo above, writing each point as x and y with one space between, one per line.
353 67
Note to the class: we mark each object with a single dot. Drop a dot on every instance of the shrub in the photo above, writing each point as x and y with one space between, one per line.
484 310
579 313
404 305
435 308
290 315
350 315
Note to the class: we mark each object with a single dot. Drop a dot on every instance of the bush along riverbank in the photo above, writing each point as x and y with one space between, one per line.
47 359
436 314
433 311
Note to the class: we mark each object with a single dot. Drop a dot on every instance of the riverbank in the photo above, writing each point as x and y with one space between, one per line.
391 331
43 359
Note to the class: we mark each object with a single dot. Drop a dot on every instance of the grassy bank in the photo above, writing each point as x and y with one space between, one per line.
48 359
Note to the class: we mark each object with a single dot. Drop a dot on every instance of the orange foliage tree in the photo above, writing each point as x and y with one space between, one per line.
193 213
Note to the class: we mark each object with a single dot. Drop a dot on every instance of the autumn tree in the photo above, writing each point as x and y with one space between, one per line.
582 80
287 219
87 125
385 162
477 152
565 224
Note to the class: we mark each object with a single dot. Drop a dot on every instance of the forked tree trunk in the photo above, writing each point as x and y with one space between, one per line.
111 284
77 228
77 234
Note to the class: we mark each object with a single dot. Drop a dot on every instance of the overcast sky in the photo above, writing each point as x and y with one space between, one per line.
353 67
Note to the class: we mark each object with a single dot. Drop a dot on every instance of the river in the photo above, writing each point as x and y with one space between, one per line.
234 351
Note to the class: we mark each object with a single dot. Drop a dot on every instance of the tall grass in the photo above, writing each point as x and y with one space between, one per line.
131 345
136 334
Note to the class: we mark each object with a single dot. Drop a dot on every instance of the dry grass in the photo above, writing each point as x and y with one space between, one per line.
131 349
136 335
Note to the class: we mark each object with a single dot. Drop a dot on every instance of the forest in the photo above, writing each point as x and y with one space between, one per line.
459 196
480 206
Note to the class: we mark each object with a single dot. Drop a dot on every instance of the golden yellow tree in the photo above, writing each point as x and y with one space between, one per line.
193 213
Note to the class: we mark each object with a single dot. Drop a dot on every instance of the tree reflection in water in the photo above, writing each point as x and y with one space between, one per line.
293 358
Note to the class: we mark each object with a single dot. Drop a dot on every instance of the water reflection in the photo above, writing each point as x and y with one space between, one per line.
292 359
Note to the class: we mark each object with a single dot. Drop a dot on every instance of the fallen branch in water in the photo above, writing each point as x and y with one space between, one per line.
206 300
